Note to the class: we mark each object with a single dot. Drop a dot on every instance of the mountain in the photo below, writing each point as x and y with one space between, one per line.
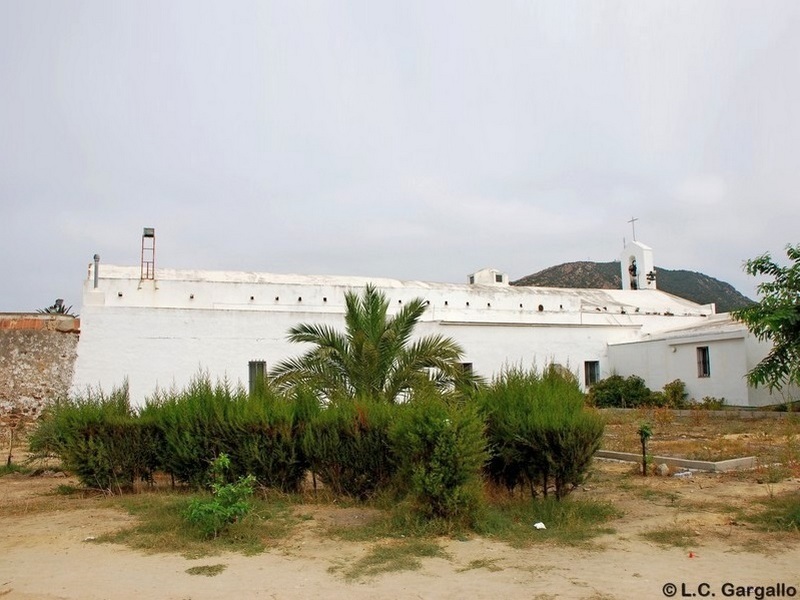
691 285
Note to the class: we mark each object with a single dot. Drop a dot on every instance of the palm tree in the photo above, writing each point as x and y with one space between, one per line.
58 308
374 356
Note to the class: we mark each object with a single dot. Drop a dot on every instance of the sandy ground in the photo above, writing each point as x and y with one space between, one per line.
44 553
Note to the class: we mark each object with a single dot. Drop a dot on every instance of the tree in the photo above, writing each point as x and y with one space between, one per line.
374 356
775 318
58 308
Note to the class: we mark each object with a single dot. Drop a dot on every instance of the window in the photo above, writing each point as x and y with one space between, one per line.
498 278
257 371
472 279
466 367
591 372
703 362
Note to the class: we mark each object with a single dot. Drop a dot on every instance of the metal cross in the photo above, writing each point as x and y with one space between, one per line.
633 225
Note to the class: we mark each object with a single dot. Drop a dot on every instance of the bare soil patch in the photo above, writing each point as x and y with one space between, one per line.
48 552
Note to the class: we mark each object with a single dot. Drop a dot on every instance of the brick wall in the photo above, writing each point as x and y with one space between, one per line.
37 360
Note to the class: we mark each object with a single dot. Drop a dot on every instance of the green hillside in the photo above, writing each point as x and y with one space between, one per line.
693 286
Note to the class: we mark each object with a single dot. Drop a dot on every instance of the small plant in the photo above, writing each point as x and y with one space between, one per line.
14 422
645 433
58 308
229 502
710 403
663 416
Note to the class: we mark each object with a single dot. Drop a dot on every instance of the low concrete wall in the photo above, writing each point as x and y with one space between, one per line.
733 413
734 464
37 360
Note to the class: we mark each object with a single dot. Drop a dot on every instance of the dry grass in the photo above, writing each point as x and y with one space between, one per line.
701 436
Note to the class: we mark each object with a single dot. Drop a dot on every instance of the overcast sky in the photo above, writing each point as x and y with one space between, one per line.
415 140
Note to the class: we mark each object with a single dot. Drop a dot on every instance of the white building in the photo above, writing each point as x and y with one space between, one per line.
158 328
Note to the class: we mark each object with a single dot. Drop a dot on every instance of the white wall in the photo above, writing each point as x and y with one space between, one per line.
661 361
161 333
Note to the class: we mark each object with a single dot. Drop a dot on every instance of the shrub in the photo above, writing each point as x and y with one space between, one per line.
442 450
539 431
347 445
228 504
99 438
675 394
192 426
710 403
264 437
260 434
620 392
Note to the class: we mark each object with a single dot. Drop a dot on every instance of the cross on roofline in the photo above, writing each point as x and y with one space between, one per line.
633 225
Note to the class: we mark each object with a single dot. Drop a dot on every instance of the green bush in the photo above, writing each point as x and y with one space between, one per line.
192 425
347 445
620 392
99 438
260 433
675 394
442 451
539 430
710 403
228 504
265 437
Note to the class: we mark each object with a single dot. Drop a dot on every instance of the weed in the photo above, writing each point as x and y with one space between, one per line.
67 490
569 522
161 528
395 555
10 468
782 513
207 570
653 494
671 536
663 416
490 564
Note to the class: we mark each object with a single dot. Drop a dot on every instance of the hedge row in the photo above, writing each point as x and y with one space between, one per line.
523 429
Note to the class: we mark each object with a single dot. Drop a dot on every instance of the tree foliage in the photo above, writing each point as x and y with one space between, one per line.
374 356
58 308
775 318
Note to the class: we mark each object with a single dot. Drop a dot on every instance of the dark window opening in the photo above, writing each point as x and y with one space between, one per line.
703 362
591 372
257 375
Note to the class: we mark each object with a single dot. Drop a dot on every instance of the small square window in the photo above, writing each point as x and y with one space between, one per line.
591 372
466 367
498 278
703 362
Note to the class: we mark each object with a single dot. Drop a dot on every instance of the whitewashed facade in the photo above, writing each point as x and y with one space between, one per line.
161 332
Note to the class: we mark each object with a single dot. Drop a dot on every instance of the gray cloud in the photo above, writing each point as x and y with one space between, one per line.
410 140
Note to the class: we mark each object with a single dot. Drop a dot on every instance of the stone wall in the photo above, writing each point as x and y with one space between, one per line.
37 360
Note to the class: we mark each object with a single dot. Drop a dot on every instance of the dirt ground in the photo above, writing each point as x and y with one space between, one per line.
46 552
